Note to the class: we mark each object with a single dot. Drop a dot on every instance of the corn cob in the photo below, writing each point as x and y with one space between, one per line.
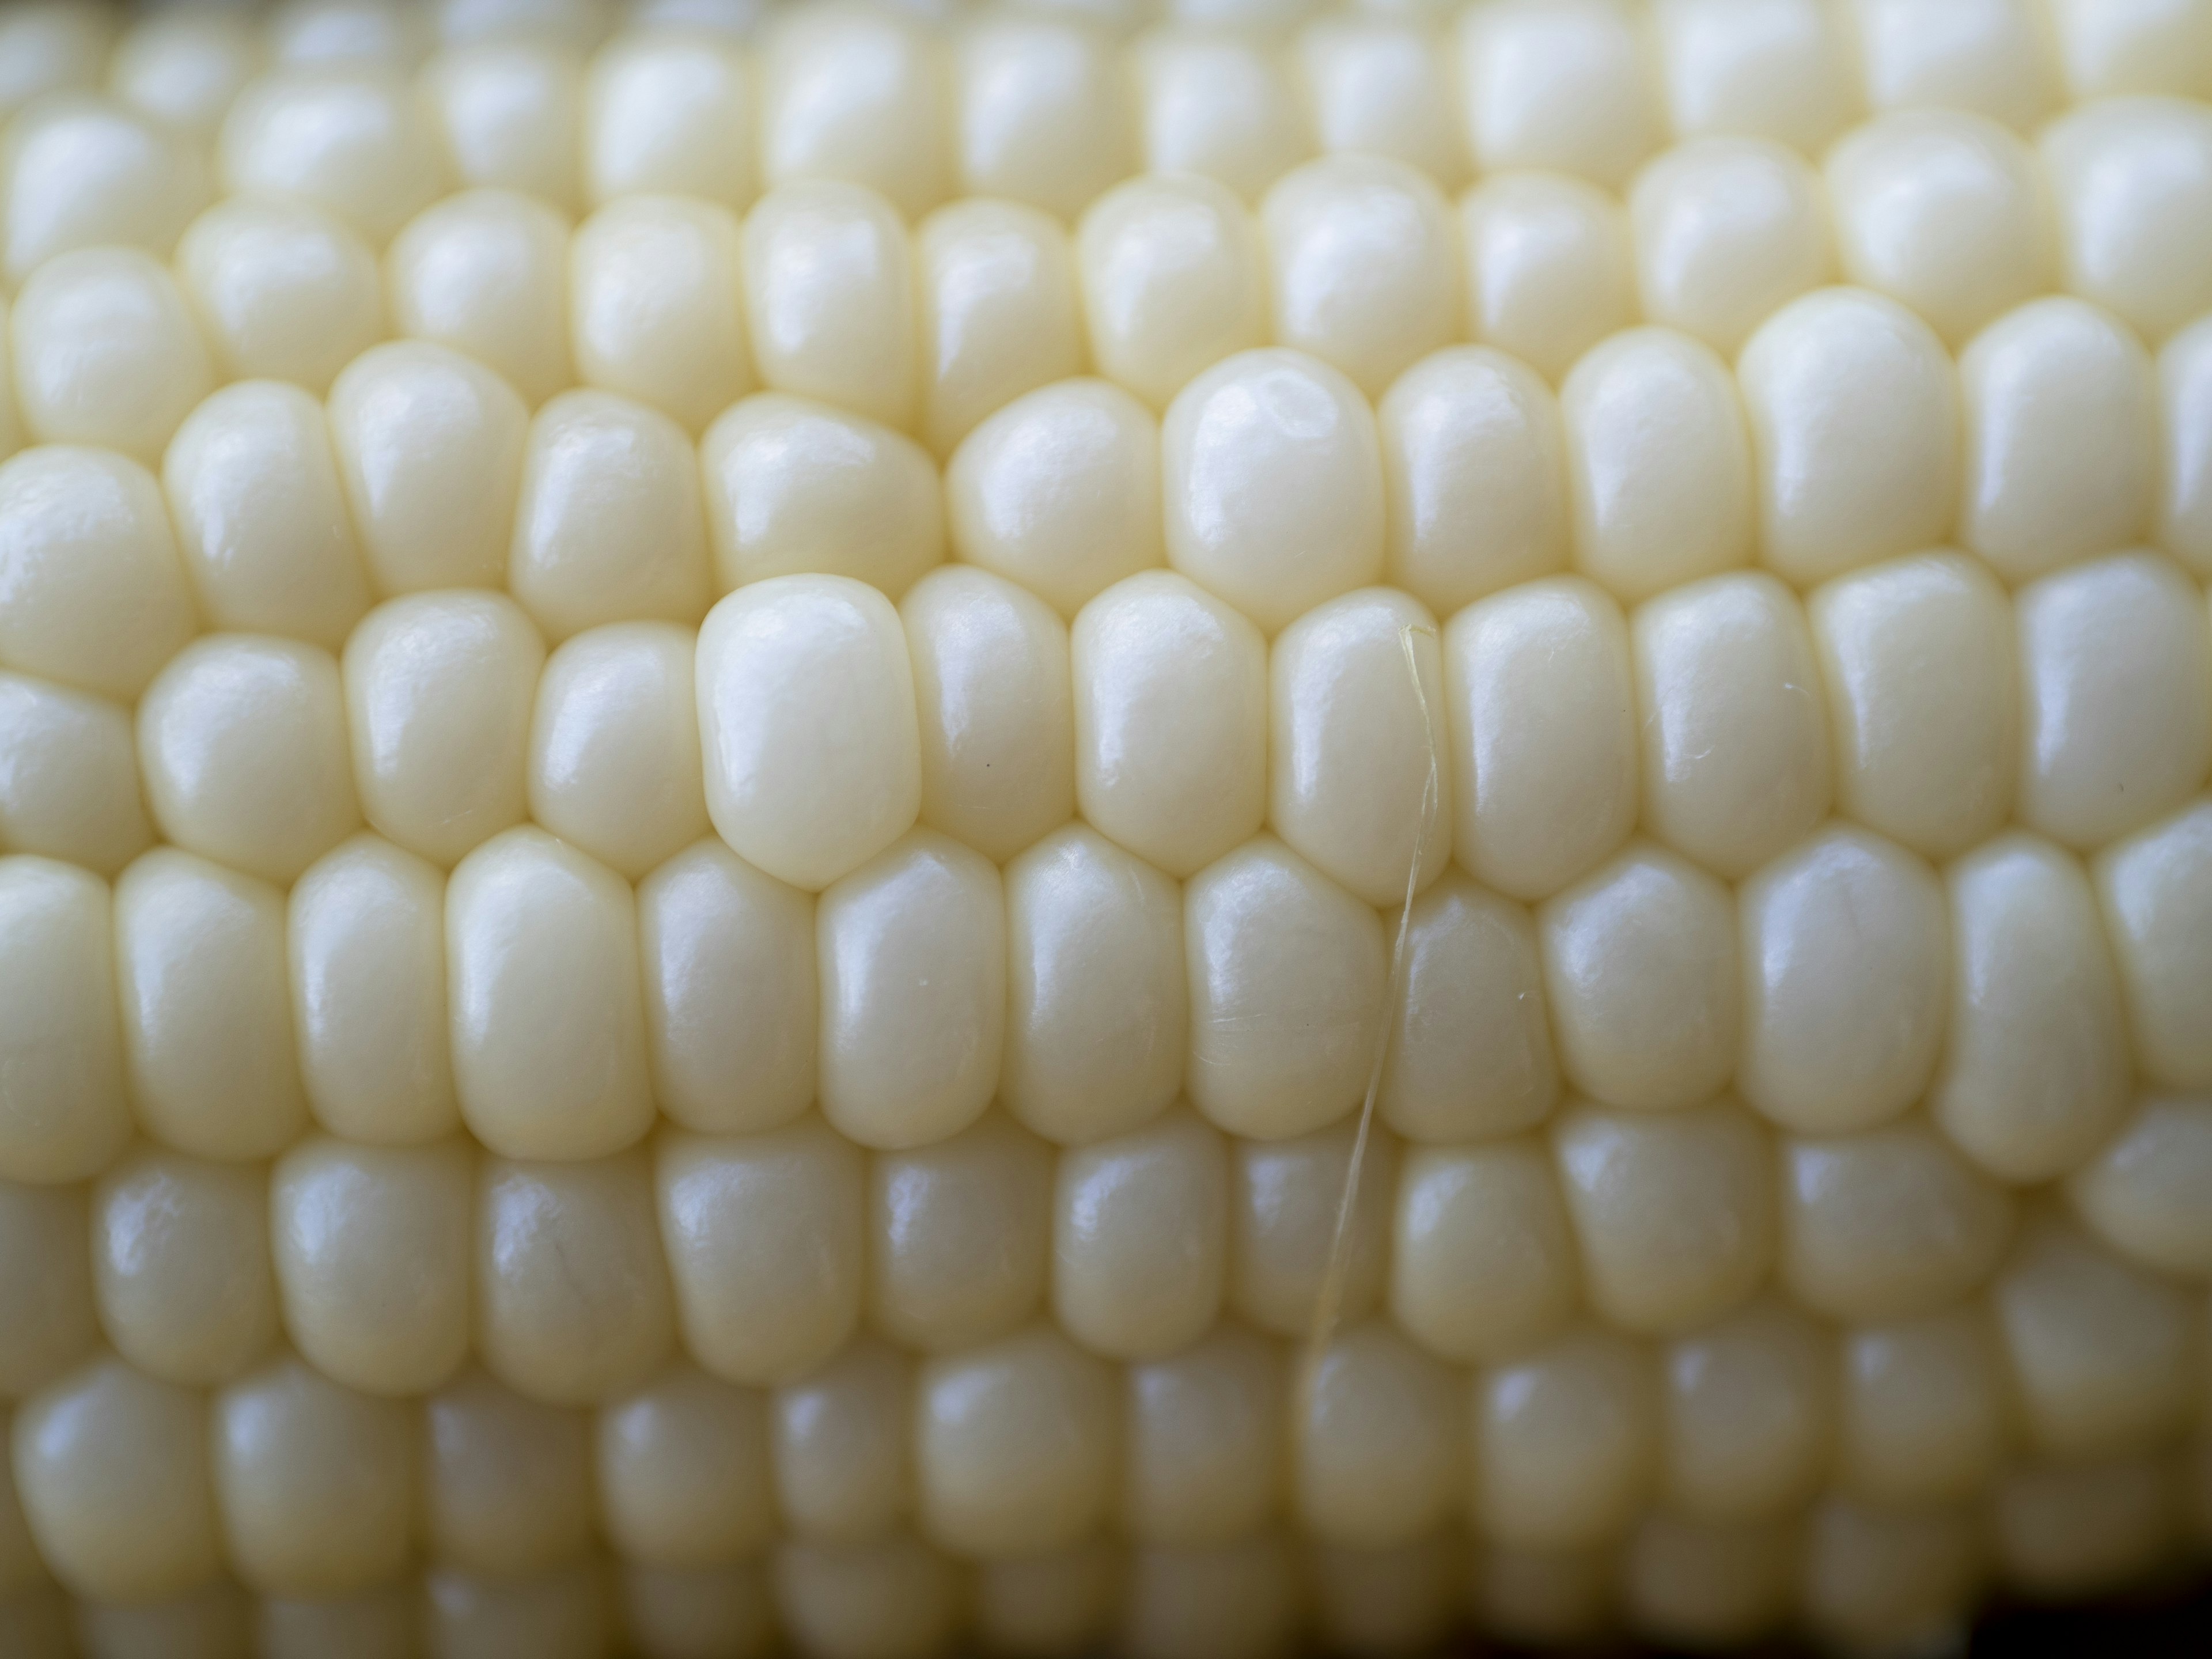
1198 829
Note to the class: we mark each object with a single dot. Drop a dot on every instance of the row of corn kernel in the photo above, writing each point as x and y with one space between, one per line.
1355 260
1846 1573
1027 1442
1047 108
574 1282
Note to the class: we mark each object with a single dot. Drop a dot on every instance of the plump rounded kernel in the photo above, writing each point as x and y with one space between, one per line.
1097 1012
242 743
1565 1442
1946 212
1470 1050
1376 84
108 1441
1854 413
796 488
2132 182
1359 779
1768 69
960 1236
83 171
1736 740
506 115
1272 478
1015 1444
1173 281
1171 720
603 481
207 1018
1674 1214
807 717
1641 974
353 140
1288 974
1217 105
92 595
2060 411
1202 1452
1375 1441
64 1114
572 1301
1989 59
1549 268
614 746
366 948
1561 86
2141 1193
2116 697
430 445
1918 660
2156 888
68 787
484 273
184 68
683 1472
730 991
506 1482
1726 230
106 351
656 306
830 309
999 317
1140 1237
1748 1407
1845 952
284 290
1288 1263
2108 1358
1660 467
314 1483
840 1445
1364 272
180 1265
996 713
1059 492
669 114
1473 467
1482 1259
1878 1577
911 947
372 1247
1887 1223
261 519
766 1236
2139 45
1923 1416
439 688
547 1011
1540 703
2035 1073
848 93
1044 113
